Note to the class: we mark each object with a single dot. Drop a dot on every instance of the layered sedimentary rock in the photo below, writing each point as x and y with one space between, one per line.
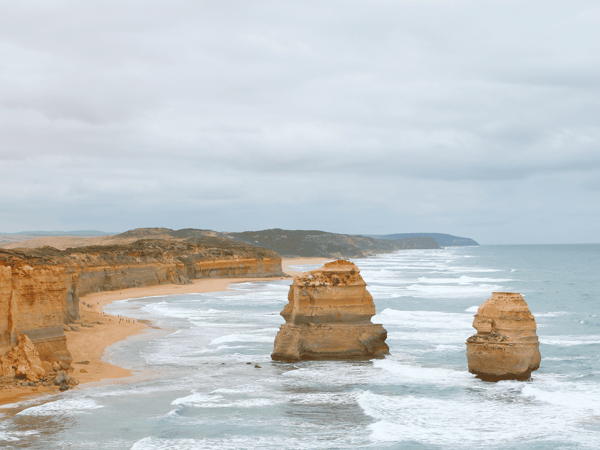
40 288
33 301
328 316
506 346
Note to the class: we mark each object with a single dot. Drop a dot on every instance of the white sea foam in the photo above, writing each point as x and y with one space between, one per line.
323 398
407 373
218 401
14 436
241 338
167 310
475 269
129 389
220 348
273 330
229 391
429 338
469 421
152 443
236 442
62 407
386 292
424 319
449 348
570 340
251 403
446 291
472 309
581 398
196 400
564 358
553 314
330 373
462 280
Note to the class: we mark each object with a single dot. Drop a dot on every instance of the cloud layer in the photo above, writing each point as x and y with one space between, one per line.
472 118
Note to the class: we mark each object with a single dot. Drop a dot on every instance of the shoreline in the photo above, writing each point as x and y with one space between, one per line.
98 330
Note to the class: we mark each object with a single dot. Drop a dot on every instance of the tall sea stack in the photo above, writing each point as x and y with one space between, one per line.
329 317
506 346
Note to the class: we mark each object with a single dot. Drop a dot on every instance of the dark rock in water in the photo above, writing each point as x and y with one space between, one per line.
256 366
248 363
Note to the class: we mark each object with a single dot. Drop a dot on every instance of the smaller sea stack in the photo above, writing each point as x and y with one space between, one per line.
506 346
329 317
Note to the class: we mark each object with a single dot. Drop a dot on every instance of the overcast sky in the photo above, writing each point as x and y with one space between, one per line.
475 118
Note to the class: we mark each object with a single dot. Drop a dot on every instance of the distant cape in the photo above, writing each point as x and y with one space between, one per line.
446 240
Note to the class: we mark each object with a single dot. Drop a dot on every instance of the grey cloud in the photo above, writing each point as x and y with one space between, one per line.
236 113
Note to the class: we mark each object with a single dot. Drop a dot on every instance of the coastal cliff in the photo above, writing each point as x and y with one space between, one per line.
506 345
33 294
40 288
328 316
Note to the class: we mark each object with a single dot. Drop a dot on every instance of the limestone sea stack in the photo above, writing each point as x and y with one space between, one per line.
506 346
328 316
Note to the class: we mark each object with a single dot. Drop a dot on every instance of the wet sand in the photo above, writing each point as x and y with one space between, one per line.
98 330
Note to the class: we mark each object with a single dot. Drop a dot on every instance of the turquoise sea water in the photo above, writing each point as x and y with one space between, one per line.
194 389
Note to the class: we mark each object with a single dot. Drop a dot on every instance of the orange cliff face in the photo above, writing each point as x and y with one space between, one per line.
32 301
40 288
329 317
506 345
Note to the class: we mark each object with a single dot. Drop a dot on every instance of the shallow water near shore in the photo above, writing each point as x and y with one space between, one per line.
194 388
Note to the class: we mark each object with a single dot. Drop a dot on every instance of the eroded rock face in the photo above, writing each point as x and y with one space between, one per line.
23 361
40 288
33 302
328 316
506 346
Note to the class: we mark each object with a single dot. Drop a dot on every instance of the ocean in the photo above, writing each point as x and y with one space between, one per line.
204 378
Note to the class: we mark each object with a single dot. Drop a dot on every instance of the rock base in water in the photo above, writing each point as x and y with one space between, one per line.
329 342
506 346
328 317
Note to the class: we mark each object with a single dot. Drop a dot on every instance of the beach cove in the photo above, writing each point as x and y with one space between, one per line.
101 330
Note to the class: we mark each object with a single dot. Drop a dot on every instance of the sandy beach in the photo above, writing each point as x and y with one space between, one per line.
98 330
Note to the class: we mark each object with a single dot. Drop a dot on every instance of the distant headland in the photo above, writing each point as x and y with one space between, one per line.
287 243
446 240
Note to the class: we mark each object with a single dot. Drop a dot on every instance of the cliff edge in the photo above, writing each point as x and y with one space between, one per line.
40 288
